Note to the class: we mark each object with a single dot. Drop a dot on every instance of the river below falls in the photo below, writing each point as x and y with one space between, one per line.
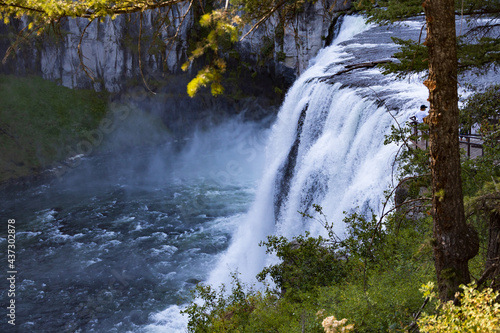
122 237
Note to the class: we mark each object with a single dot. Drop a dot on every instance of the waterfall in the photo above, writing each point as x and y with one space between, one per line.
325 148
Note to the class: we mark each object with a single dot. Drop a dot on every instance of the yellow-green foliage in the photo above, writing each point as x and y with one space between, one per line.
48 11
477 312
223 33
208 75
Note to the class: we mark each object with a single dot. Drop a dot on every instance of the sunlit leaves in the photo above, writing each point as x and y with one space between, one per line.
225 30
223 33
222 26
477 312
206 20
47 11
208 75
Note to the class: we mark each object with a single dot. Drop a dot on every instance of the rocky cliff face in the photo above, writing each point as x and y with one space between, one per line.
110 49
316 27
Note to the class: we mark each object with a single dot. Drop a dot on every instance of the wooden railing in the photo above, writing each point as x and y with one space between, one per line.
472 143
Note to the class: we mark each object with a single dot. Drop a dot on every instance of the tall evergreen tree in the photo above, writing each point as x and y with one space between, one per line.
454 242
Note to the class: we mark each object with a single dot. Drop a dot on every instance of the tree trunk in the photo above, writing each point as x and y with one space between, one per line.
455 243
493 253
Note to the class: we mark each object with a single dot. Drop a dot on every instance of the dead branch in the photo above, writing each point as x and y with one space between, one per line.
417 315
179 27
486 274
87 70
263 19
21 36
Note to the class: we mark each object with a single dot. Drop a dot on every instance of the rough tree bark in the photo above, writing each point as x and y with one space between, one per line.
455 242
493 253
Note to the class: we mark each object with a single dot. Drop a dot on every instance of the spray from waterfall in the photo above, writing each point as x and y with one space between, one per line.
326 148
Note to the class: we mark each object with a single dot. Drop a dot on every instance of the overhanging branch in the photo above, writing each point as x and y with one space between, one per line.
78 10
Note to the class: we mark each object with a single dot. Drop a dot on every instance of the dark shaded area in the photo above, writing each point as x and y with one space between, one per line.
286 172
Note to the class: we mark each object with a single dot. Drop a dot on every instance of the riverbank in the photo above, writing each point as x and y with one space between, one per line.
38 120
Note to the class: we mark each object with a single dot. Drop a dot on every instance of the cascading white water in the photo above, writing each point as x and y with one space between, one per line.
325 148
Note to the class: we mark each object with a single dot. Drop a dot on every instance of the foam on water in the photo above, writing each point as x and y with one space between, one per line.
170 319
144 226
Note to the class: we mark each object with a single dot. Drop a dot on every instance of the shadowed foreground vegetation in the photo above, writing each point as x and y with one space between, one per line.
381 277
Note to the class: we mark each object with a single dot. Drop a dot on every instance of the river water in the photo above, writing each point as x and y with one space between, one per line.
122 236
325 147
